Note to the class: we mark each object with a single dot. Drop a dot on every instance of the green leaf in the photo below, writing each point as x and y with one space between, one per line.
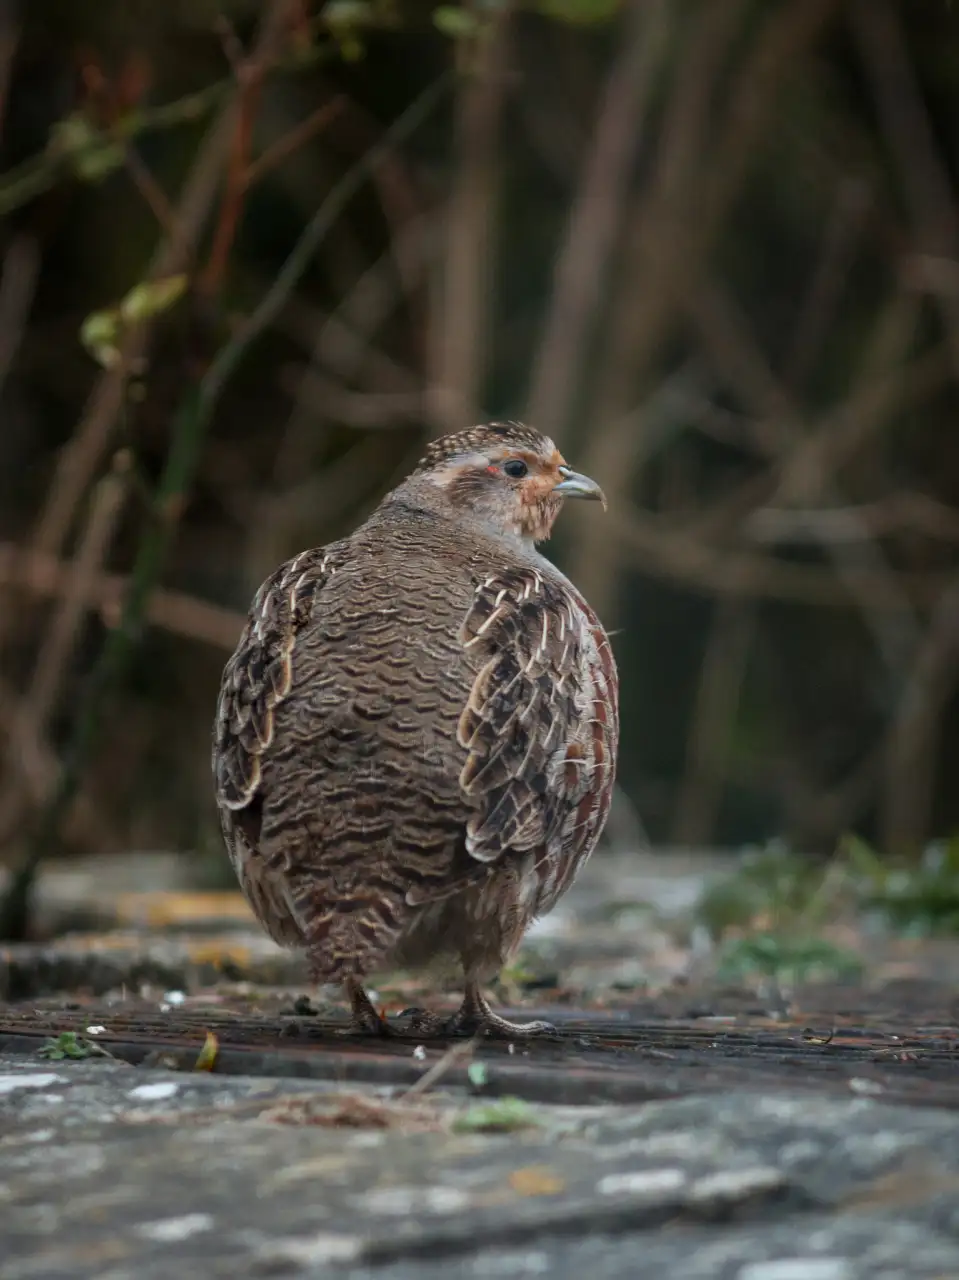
478 1074
505 1115
102 331
70 1045
458 24
99 334
348 13
91 155
151 297
206 1058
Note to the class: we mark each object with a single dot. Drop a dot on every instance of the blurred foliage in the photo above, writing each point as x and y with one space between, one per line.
711 246
785 960
776 896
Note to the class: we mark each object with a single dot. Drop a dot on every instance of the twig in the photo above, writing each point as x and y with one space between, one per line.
249 73
726 334
189 431
897 513
153 194
41 172
454 1056
284 147
9 39
21 266
853 198
81 455
720 685
371 410
676 555
37 770
667 248
460 335
909 771
928 187
316 231
59 640
595 219
39 574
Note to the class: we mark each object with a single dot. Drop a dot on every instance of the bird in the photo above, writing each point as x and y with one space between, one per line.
415 739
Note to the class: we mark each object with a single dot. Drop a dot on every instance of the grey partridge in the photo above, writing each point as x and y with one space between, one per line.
416 737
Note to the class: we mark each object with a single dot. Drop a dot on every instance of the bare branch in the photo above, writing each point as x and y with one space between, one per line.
284 147
35 573
720 685
668 247
911 752
21 267
595 219
461 322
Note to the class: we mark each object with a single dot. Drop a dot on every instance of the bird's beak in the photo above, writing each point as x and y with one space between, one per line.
574 485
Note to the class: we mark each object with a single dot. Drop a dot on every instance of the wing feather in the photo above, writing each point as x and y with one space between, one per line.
522 712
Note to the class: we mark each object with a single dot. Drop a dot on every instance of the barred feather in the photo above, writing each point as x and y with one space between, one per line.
415 740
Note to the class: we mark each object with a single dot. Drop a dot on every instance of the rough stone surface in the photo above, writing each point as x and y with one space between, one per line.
777 1153
114 1171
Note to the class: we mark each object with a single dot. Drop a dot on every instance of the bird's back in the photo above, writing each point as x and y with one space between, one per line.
357 797
366 762
415 742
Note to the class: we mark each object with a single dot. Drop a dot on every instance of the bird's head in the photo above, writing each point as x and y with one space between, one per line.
507 476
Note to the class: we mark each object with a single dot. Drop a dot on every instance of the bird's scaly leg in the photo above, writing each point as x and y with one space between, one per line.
475 1014
365 1019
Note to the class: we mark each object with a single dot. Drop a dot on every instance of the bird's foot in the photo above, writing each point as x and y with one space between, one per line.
366 1020
475 1017
422 1022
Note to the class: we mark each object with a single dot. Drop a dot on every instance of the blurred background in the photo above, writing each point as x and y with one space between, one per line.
253 255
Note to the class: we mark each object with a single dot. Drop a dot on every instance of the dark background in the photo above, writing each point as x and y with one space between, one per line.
711 246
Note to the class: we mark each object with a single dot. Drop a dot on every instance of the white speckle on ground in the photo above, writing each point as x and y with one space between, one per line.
169 1230
155 1092
737 1184
312 1250
34 1080
797 1269
503 1263
859 1085
642 1182
406 1200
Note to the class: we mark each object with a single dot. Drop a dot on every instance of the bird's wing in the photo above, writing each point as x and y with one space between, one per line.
539 727
259 676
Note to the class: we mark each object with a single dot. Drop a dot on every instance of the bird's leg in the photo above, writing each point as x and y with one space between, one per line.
475 1014
365 1019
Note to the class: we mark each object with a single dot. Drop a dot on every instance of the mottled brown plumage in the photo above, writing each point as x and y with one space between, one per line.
416 737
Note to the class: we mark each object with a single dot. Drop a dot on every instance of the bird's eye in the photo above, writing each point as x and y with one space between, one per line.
515 468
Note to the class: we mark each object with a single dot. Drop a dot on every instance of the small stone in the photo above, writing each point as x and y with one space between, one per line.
736 1184
155 1092
797 1269
33 1080
865 1087
169 1230
642 1182
311 1251
403 1201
